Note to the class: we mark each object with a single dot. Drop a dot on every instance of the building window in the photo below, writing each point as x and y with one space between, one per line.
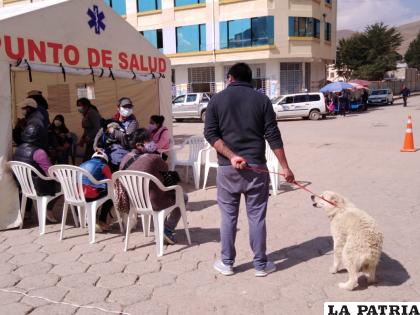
117 5
304 27
247 32
191 38
201 79
180 3
154 37
291 78
148 5
328 31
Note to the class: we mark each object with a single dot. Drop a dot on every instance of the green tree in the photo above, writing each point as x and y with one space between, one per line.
370 54
412 56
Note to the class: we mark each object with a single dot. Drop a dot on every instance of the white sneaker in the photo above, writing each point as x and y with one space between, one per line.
269 268
222 268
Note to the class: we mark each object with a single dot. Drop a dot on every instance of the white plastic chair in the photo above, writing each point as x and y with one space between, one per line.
273 166
208 152
70 178
23 173
195 146
137 185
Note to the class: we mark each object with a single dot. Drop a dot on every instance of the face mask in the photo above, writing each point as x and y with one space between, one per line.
80 109
150 147
125 112
152 127
57 123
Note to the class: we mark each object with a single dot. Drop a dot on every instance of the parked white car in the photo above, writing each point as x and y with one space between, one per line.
381 96
305 105
191 105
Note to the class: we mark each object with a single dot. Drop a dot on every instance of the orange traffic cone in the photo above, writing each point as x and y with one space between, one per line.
409 139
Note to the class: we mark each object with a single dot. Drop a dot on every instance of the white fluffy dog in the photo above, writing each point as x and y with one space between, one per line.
357 240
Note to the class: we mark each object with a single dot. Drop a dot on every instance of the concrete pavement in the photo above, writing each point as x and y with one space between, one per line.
357 156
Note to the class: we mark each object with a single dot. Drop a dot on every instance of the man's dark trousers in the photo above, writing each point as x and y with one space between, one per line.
405 101
231 183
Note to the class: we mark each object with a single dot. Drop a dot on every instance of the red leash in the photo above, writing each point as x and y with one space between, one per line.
260 170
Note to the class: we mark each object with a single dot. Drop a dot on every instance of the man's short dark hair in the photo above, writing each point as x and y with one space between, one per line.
241 72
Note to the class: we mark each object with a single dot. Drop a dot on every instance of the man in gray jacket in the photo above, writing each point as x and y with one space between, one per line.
238 122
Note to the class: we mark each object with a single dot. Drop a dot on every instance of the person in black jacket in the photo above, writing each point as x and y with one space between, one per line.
31 115
31 152
238 122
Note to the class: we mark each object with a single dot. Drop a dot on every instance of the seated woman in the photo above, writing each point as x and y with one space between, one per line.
98 167
143 158
159 134
61 141
32 152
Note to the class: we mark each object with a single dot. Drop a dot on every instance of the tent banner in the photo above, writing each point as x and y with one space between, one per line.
43 51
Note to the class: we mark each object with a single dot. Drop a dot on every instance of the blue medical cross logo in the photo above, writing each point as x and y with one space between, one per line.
96 19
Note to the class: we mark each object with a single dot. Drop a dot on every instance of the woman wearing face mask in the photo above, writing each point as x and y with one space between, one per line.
144 158
115 141
159 133
61 141
91 123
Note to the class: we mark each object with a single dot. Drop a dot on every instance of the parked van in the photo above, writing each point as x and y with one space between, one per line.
305 105
191 105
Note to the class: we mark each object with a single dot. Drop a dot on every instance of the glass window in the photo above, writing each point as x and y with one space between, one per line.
148 5
191 38
179 3
154 37
301 98
117 5
327 31
247 32
304 27
288 100
191 98
314 97
179 99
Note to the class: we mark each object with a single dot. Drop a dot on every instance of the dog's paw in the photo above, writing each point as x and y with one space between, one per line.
333 269
346 286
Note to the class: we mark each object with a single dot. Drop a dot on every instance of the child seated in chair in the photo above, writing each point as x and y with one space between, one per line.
98 167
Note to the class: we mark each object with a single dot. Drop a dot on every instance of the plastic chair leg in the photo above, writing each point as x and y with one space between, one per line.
196 172
158 221
23 209
41 206
75 218
273 183
206 173
82 216
127 232
63 220
186 174
91 215
145 219
185 221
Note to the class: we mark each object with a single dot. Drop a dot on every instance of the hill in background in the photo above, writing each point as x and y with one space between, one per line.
408 31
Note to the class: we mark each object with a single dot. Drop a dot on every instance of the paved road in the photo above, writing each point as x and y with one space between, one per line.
357 156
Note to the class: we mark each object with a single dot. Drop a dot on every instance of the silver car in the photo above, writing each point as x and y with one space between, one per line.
191 105
381 96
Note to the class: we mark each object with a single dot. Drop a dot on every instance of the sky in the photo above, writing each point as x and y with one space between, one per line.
356 14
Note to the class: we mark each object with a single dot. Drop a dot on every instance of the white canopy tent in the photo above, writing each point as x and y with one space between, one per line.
67 49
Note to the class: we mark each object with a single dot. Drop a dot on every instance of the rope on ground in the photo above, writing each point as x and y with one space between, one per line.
64 303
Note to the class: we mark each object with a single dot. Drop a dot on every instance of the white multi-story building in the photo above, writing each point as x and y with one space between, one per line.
288 43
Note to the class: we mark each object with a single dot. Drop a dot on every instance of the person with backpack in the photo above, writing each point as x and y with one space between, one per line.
145 158
405 93
98 167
